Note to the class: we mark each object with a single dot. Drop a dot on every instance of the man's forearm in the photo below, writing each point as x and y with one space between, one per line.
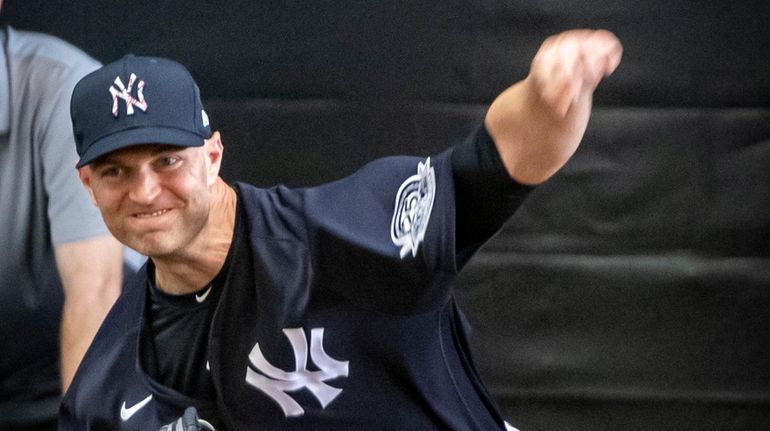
91 274
80 321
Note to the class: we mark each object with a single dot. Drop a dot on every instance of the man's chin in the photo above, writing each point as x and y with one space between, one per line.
154 247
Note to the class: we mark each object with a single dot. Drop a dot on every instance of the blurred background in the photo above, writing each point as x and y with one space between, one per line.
631 291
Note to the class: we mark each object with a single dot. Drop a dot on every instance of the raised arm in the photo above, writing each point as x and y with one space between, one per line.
538 123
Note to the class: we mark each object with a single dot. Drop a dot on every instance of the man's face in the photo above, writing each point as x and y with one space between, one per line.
153 198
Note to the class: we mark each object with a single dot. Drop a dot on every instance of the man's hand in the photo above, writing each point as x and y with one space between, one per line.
538 123
569 66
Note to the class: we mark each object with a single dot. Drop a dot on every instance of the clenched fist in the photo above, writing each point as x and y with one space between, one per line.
538 123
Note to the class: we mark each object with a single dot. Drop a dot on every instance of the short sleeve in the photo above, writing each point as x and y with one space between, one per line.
486 196
72 215
385 235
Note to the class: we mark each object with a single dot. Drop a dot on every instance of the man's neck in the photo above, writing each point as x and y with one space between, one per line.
204 258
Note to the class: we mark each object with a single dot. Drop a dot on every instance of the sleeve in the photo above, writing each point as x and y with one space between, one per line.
385 235
486 196
72 215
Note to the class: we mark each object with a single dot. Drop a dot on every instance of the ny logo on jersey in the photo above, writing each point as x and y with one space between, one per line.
123 92
276 382
414 203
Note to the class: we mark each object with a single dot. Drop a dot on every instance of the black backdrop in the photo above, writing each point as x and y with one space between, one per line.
632 291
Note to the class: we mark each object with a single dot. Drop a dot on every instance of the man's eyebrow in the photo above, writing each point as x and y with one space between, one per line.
102 161
152 149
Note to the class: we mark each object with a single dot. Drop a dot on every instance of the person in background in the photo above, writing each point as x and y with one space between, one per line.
60 269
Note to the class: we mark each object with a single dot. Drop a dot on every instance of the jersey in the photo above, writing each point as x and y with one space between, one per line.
334 311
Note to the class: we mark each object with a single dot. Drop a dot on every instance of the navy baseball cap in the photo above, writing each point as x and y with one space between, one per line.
136 100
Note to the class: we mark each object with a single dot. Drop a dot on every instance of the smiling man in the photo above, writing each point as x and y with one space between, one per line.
329 308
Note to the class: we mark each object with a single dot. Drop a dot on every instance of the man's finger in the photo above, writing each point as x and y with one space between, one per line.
605 45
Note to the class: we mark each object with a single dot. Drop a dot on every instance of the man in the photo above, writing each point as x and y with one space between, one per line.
325 308
53 239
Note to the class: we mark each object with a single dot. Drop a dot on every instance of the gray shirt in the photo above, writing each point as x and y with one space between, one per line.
42 204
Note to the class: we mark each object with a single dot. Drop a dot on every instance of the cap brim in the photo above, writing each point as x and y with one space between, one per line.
139 136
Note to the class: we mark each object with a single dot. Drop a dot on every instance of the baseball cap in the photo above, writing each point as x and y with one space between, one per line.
136 100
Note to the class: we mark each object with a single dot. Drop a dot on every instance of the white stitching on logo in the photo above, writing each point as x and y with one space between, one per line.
414 203
275 382
126 413
125 94
202 297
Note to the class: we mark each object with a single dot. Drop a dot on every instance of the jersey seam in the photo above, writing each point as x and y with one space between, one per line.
447 368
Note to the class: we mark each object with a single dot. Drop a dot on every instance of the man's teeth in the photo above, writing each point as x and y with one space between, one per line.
152 214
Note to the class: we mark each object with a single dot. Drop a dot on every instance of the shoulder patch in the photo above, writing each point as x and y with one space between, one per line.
414 203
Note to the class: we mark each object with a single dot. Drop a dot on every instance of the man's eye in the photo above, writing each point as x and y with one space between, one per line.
170 160
110 172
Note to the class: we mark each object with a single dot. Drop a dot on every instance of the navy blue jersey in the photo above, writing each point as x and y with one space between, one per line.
334 311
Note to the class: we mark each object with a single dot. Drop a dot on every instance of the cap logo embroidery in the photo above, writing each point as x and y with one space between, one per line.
123 92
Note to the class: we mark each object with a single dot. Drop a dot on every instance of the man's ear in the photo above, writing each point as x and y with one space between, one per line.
213 149
85 178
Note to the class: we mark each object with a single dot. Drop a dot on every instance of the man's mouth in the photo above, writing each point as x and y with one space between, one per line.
152 214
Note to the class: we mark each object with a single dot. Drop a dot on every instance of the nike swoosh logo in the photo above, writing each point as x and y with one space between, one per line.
202 297
126 413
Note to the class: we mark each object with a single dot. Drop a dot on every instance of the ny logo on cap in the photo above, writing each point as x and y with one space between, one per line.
124 93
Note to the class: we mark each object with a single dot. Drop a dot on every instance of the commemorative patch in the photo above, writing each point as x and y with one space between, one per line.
414 203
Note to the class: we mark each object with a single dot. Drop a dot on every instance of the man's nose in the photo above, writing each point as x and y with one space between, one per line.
145 187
